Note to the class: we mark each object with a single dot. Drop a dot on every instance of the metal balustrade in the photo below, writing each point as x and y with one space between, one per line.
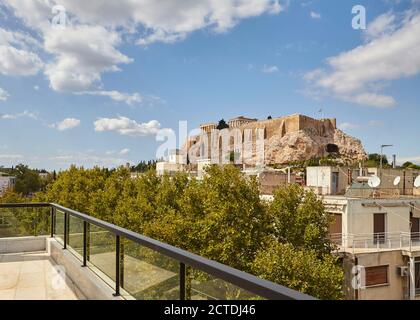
379 241
146 268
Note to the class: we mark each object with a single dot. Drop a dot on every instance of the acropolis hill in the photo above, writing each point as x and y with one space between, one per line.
297 138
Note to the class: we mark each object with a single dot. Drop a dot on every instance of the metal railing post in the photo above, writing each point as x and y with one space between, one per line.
182 276
52 222
117 265
122 252
84 243
65 230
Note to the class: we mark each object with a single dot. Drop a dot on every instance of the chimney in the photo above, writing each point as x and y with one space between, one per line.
394 161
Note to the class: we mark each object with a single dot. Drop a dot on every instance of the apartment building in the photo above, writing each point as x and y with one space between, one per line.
376 229
379 242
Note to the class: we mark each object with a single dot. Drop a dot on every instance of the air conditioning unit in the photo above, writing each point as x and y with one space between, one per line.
402 271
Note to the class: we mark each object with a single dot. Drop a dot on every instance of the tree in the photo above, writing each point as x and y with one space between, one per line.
222 125
301 270
410 165
299 218
269 117
374 160
27 180
220 217
144 166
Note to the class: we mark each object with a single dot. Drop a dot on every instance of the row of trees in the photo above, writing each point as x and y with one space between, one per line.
28 181
221 218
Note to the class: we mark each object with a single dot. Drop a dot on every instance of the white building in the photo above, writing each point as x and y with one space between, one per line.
174 164
6 183
327 180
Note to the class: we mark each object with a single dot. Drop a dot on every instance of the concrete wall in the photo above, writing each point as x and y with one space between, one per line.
396 286
269 181
83 281
319 177
360 218
387 176
167 167
22 244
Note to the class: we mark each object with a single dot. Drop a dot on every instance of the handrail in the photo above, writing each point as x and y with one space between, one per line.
251 283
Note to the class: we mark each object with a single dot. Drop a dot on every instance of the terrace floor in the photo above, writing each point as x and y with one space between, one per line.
33 276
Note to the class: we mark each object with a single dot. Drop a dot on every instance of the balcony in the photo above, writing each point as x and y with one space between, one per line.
376 242
51 252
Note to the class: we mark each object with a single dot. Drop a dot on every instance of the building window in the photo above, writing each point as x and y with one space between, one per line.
377 275
417 276
379 228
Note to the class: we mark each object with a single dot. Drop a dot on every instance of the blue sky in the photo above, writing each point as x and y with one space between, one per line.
97 90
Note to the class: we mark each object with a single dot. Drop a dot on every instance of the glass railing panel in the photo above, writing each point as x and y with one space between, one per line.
202 286
59 226
147 274
76 236
22 222
101 252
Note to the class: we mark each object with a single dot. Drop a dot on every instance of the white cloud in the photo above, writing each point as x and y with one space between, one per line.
24 114
414 159
124 152
315 15
36 88
348 125
129 99
129 127
164 20
18 62
82 54
66 124
270 69
383 24
168 20
358 75
4 95
87 159
88 47
16 59
11 157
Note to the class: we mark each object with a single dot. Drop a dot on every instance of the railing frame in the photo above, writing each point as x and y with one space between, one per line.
243 280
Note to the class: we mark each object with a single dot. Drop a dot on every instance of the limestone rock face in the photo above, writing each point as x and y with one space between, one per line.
309 143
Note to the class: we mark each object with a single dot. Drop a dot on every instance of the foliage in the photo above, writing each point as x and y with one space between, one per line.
222 125
374 160
28 180
301 270
410 165
144 166
299 218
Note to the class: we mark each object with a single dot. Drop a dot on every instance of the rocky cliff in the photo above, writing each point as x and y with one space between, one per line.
309 143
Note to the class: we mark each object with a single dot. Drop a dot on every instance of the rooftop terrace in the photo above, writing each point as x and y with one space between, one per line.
51 252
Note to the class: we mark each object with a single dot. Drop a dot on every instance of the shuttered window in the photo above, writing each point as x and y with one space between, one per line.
376 275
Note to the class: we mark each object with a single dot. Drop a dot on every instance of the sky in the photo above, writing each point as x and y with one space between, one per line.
94 82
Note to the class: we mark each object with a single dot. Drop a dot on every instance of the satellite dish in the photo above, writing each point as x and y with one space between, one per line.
374 182
417 182
397 181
